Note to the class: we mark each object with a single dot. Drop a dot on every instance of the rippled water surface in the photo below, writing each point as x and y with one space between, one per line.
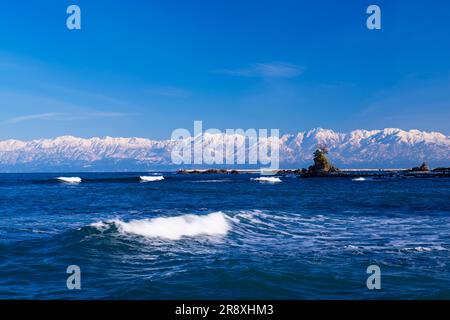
139 236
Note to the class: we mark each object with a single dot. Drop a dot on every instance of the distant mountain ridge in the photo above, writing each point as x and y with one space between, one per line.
387 148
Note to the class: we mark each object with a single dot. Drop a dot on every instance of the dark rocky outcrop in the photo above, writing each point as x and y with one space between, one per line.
442 169
322 165
289 171
423 168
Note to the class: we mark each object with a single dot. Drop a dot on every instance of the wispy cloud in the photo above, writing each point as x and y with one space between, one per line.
55 116
40 116
108 114
266 70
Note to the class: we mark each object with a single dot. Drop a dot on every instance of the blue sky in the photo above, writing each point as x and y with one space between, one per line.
145 68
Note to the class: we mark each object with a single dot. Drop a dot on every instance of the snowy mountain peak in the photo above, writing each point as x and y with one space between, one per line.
389 147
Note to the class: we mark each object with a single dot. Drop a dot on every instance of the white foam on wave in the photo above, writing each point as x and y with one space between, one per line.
426 249
99 225
351 247
359 179
151 178
268 179
69 179
173 228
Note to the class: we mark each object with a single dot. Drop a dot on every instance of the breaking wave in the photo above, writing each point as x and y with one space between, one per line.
359 179
151 178
268 179
69 179
172 228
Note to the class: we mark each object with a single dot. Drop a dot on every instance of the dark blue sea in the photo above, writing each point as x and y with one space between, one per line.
223 236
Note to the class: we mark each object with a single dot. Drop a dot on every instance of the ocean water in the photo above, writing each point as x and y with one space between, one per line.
223 236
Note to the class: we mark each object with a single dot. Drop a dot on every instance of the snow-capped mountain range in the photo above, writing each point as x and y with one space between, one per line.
387 148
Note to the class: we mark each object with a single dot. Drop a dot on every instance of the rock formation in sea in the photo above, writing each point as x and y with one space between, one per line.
322 165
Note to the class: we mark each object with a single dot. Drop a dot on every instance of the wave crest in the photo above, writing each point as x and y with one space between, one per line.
172 228
268 179
69 179
151 178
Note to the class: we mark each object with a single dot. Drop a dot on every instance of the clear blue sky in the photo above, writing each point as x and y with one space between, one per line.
145 68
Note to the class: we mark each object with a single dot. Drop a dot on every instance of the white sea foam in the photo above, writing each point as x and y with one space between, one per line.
268 179
173 228
351 247
151 178
425 249
422 249
99 225
359 179
69 179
